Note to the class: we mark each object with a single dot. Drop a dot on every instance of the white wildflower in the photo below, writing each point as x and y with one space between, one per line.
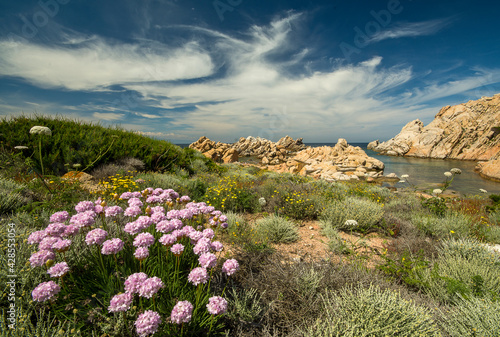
262 201
40 130
437 191
448 174
404 176
456 171
483 190
350 223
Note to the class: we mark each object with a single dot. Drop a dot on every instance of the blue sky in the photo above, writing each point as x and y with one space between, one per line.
177 70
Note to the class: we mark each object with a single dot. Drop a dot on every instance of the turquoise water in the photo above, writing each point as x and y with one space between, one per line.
429 173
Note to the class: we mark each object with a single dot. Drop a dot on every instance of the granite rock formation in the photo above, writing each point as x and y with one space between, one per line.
468 131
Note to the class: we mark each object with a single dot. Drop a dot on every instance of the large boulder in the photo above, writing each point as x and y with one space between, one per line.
489 169
468 131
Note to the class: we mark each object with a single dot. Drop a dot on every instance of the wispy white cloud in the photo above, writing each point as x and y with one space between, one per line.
411 29
107 116
96 64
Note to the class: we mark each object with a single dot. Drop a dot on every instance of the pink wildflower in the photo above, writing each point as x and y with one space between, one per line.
144 240
59 216
112 246
58 270
96 236
134 281
198 275
207 260
230 267
39 258
150 287
216 305
120 302
141 253
45 291
147 323
181 313
113 211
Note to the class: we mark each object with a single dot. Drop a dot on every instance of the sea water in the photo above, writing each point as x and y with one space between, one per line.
429 173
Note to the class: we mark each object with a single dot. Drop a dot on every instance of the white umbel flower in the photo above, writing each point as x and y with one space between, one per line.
437 191
40 130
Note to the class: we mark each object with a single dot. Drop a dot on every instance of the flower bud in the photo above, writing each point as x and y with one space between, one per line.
49 263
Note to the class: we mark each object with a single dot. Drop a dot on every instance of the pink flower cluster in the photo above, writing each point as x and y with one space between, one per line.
143 285
39 258
181 313
198 275
58 270
208 260
147 323
96 237
113 246
59 216
144 240
113 211
177 249
84 219
229 267
120 302
45 291
141 253
216 305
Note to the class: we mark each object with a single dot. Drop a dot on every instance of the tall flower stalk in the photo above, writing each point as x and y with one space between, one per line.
40 130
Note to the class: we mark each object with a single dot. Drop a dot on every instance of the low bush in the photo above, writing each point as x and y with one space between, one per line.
451 224
366 213
277 229
232 194
463 268
472 317
372 312
12 195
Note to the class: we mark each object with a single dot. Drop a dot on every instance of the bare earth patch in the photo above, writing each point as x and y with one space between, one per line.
313 245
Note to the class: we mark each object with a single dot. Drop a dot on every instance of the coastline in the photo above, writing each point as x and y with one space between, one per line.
427 172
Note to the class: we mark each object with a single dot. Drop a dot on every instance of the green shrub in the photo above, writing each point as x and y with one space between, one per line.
404 206
12 195
463 268
451 224
232 194
472 317
372 312
47 325
277 229
366 213
435 205
245 305
364 190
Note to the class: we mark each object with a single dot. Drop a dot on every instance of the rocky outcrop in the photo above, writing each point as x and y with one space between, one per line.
468 131
268 152
219 152
489 169
340 162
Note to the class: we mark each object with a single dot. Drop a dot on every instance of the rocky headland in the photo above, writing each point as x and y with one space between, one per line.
468 131
340 162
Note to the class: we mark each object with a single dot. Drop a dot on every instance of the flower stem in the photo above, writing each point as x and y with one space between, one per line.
40 151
